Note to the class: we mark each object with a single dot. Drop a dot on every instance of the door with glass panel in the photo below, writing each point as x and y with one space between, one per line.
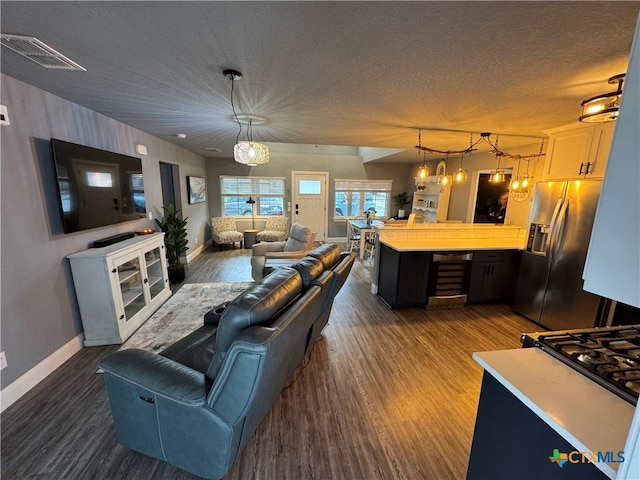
129 286
155 279
309 201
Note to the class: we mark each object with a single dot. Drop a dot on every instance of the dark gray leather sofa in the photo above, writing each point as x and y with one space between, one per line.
197 404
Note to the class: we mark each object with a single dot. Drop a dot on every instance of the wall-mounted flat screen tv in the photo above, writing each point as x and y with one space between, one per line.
96 187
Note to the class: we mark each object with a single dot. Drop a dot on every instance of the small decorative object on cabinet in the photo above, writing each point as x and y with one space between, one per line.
578 151
175 239
119 287
431 199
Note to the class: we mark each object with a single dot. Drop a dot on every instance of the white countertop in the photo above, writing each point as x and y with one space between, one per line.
421 245
584 413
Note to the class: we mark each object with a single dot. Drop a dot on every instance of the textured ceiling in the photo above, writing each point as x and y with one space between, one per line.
330 73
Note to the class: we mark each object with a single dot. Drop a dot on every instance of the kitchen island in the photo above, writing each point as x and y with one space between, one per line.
534 409
444 263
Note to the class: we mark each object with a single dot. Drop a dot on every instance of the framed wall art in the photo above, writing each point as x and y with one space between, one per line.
197 189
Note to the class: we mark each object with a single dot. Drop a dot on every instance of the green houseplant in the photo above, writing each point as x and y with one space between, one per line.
400 200
175 241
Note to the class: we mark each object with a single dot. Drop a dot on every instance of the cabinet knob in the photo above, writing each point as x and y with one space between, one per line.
122 317
581 168
589 169
146 280
113 271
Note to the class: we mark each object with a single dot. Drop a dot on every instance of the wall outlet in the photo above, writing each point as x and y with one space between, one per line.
150 215
3 360
141 149
4 116
196 240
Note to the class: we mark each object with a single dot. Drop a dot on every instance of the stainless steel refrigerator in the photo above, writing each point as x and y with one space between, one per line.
550 286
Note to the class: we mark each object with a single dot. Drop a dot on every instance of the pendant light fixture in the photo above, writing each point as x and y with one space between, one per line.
423 171
603 108
461 175
444 178
247 152
497 176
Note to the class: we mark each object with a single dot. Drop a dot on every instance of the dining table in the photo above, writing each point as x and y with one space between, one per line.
364 227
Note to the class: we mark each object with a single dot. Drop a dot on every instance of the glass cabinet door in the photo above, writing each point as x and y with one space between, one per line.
156 280
131 287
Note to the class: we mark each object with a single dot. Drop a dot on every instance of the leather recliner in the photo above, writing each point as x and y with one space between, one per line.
300 241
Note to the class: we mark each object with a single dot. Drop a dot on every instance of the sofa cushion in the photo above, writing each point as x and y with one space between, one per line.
329 254
259 304
309 269
195 350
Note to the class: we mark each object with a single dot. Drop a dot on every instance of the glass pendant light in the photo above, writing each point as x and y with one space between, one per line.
461 175
247 152
423 171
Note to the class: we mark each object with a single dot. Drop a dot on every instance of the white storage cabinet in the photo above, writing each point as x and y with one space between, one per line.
431 199
578 151
119 286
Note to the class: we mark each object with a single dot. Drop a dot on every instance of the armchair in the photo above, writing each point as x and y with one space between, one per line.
300 241
275 230
223 230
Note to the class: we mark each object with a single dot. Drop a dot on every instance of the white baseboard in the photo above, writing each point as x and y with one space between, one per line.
10 394
198 251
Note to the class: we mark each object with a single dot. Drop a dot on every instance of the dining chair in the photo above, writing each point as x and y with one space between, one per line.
370 244
353 238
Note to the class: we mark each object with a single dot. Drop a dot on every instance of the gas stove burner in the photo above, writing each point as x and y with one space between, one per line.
610 356
584 357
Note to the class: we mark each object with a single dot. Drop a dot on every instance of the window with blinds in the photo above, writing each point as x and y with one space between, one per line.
356 197
267 192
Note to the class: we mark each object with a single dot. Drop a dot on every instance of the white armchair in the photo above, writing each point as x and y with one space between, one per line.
223 230
300 241
275 230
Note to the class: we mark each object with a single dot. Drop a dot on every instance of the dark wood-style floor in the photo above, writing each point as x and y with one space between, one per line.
386 394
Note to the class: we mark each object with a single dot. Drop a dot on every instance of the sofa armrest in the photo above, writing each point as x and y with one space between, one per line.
261 248
157 374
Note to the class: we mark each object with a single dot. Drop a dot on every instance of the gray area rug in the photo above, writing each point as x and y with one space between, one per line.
182 314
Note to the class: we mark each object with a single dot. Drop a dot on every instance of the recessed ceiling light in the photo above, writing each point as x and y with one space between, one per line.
212 149
181 135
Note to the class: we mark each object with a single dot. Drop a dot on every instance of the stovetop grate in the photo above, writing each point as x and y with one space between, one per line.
609 356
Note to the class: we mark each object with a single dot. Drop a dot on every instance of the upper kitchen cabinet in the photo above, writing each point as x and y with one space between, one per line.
578 152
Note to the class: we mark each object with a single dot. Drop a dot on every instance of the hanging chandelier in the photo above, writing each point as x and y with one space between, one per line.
246 152
485 137
604 107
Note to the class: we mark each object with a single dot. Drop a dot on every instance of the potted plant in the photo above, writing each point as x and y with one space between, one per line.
400 201
175 241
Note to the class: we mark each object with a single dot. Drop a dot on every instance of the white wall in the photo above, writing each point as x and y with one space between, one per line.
281 164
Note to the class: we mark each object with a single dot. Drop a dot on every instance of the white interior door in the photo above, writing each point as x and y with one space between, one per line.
309 201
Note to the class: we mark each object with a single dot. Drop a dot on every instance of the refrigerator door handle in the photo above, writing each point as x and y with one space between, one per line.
557 234
552 226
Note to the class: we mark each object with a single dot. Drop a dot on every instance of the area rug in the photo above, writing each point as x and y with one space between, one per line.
182 314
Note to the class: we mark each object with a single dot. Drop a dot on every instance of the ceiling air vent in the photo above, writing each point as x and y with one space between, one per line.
39 52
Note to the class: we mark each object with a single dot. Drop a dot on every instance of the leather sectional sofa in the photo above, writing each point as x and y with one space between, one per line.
197 403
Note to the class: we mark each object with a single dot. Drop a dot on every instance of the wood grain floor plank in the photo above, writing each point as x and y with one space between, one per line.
386 394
